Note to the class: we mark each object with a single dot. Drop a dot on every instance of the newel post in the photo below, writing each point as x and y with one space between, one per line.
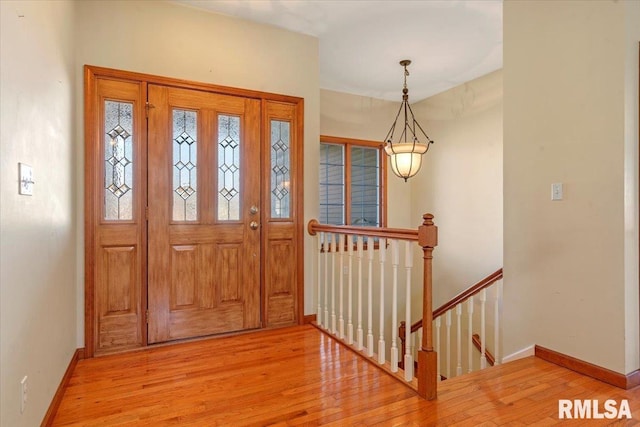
427 358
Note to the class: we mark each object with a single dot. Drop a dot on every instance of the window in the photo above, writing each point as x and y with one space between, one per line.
352 182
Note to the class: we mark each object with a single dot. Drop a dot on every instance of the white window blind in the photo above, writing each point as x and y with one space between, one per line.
350 185
332 177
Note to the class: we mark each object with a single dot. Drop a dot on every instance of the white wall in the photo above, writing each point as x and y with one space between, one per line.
460 182
38 246
172 40
571 280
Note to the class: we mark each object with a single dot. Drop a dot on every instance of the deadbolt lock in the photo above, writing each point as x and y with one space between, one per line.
253 210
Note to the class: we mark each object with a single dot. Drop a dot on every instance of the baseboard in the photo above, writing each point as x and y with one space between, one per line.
308 318
520 354
585 368
57 398
633 379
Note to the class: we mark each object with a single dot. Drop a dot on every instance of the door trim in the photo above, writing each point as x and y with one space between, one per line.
91 76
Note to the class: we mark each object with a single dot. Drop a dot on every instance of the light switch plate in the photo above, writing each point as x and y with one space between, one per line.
557 191
25 173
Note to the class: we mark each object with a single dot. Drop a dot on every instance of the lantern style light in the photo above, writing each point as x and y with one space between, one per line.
406 153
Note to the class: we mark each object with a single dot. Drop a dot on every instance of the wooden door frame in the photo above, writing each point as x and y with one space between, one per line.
91 75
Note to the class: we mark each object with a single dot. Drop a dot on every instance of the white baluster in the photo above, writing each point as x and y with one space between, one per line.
395 260
334 249
438 370
382 251
459 339
496 322
418 344
470 349
319 239
327 248
408 358
483 336
350 296
359 330
370 252
448 330
341 273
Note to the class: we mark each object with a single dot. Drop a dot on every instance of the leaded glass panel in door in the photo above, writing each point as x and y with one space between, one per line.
118 161
280 169
229 146
185 165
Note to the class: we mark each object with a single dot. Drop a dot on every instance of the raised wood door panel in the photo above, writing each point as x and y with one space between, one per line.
204 260
115 200
282 187
118 294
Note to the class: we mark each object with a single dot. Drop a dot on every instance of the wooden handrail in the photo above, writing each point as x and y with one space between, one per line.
469 292
475 338
473 290
314 227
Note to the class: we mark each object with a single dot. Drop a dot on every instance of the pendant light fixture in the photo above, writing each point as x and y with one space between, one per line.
406 153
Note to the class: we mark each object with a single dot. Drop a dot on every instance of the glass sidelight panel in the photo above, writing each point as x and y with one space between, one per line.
118 161
185 165
229 168
280 169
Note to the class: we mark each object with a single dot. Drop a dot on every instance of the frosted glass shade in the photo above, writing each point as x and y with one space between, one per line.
406 158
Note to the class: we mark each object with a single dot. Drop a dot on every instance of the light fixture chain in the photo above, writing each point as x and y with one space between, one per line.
406 74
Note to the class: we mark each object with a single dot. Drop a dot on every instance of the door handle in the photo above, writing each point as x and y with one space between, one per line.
253 225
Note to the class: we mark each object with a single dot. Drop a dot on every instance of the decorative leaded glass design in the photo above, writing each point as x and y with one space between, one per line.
228 168
332 177
365 186
118 160
185 171
280 169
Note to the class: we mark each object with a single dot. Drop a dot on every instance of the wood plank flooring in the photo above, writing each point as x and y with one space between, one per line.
300 377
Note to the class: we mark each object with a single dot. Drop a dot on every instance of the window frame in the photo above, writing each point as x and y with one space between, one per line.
348 143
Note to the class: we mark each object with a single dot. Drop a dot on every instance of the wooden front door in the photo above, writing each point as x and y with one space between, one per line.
194 215
203 213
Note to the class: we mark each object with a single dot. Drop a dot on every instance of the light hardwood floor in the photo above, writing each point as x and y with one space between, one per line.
299 376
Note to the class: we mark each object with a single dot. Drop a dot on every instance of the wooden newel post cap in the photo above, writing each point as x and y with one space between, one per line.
428 232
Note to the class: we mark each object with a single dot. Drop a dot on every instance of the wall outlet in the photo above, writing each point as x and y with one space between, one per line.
23 394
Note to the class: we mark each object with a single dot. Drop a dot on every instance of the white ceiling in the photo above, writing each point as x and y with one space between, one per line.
361 41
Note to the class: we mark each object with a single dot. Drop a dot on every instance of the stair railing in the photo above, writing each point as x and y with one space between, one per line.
338 248
488 291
